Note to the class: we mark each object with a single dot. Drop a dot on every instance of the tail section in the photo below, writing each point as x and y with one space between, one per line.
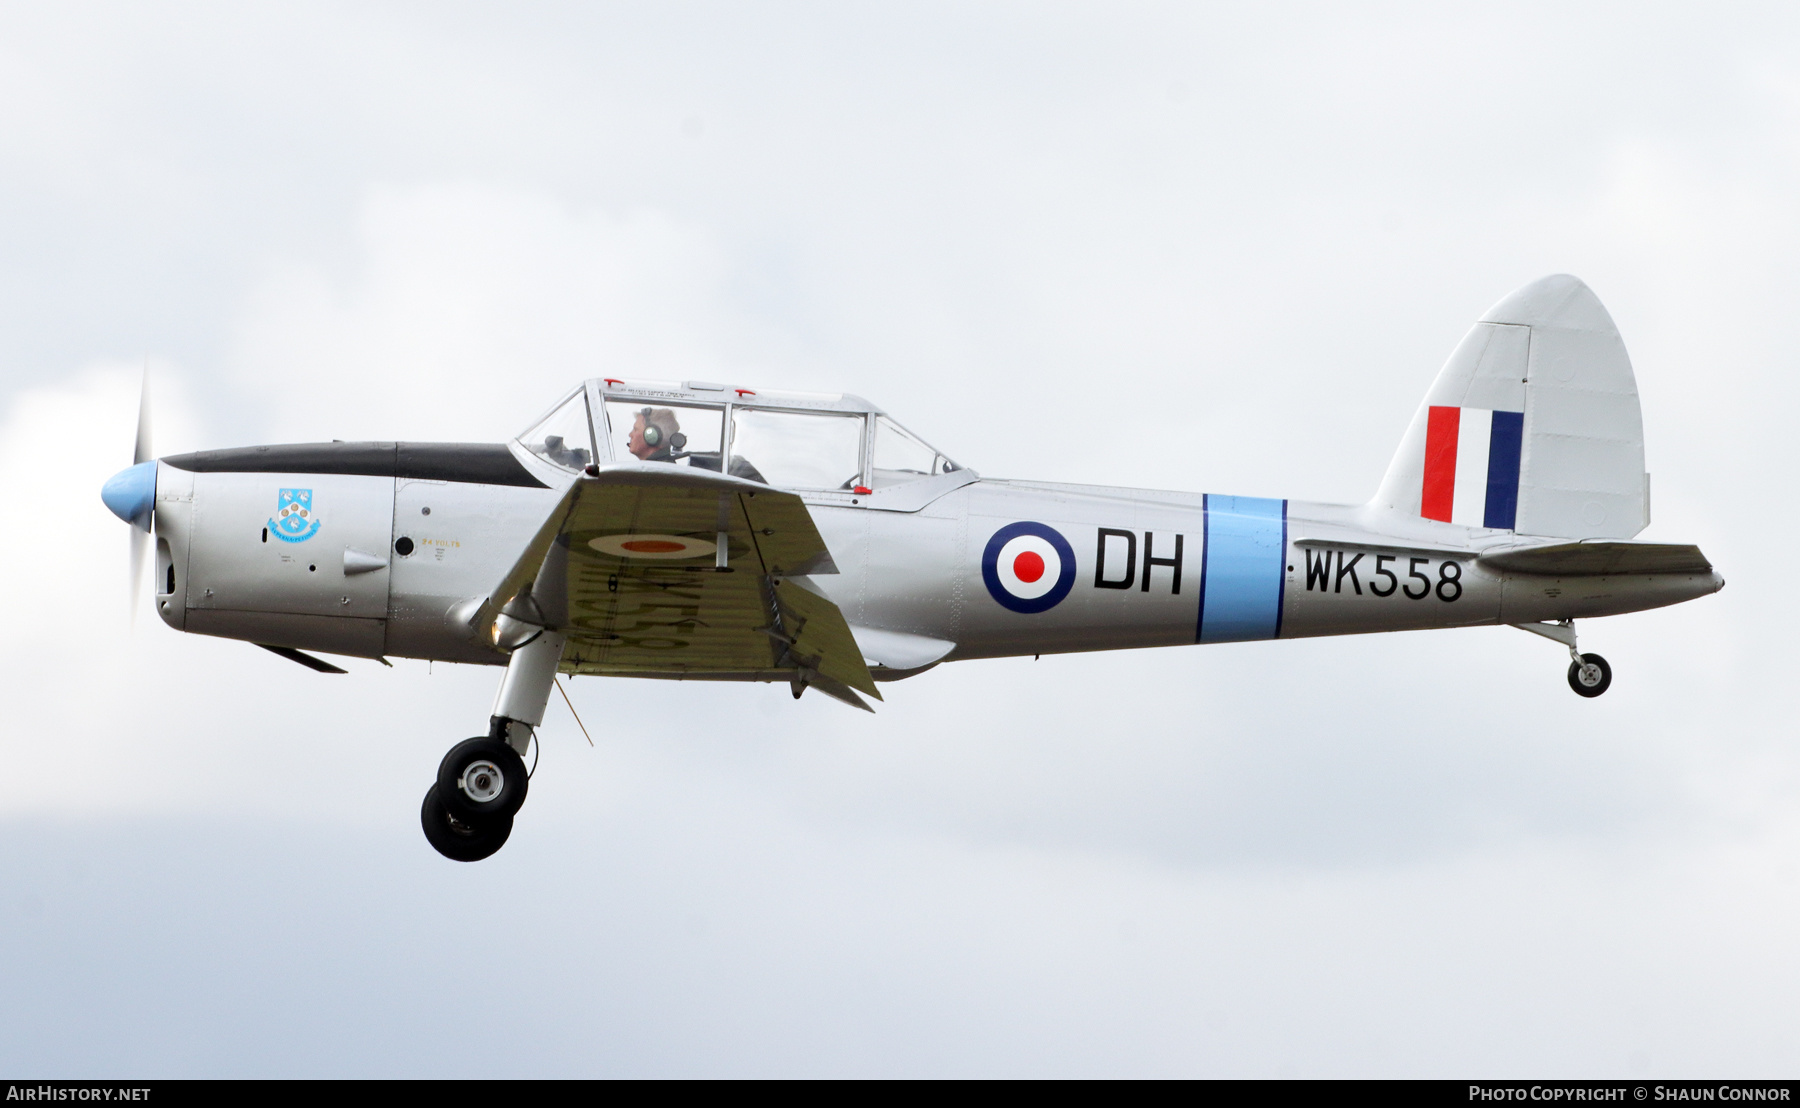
1532 425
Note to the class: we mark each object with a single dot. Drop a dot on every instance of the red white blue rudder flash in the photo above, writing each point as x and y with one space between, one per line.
1472 466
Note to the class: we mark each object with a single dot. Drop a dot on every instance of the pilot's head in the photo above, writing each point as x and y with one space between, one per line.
656 434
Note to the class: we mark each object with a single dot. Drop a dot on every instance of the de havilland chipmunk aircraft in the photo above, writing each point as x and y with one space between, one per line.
710 533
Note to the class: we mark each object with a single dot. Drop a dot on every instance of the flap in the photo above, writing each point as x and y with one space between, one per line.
811 635
1599 559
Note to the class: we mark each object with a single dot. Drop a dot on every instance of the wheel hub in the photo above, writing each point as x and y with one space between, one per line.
1589 674
482 781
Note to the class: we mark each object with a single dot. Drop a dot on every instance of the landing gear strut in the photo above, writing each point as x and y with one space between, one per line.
1589 675
481 783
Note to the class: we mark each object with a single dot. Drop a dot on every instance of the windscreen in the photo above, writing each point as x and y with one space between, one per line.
563 437
901 456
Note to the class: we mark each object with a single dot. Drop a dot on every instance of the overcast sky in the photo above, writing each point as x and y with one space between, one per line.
1219 248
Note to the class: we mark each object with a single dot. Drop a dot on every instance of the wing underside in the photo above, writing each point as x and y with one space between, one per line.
678 608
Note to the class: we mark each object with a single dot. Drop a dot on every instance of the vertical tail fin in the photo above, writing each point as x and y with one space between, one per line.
1531 426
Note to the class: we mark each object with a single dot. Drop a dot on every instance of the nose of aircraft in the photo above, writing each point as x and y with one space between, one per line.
130 494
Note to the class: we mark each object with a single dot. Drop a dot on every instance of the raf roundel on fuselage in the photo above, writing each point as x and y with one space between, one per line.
1028 567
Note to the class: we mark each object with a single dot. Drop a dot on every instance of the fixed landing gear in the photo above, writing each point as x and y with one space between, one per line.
482 779
468 813
1589 675
457 839
481 784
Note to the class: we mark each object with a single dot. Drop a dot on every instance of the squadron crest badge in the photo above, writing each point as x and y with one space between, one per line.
294 520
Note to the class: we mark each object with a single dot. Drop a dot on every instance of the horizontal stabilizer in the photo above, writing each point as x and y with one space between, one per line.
1600 559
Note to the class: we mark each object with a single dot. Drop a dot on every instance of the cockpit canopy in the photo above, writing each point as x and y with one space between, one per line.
789 440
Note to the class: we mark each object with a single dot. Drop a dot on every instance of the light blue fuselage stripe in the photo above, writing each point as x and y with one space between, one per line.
1241 571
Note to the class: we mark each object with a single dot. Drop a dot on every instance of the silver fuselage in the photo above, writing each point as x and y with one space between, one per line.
405 558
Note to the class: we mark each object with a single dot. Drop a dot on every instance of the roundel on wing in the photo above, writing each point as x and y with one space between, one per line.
1028 567
653 546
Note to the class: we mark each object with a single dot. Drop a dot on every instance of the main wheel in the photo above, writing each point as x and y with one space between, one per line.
1591 676
456 839
482 779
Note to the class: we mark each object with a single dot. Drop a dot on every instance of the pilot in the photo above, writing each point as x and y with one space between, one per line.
656 436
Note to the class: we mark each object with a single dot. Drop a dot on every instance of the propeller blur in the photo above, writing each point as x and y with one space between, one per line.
131 493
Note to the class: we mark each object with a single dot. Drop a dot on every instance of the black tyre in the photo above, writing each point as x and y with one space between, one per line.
482 779
456 839
1591 676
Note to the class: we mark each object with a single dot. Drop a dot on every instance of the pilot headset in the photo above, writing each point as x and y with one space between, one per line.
653 435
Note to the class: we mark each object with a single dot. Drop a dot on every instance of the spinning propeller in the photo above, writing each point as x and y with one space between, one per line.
131 493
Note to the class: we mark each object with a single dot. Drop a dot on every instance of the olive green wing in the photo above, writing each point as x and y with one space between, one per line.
665 571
